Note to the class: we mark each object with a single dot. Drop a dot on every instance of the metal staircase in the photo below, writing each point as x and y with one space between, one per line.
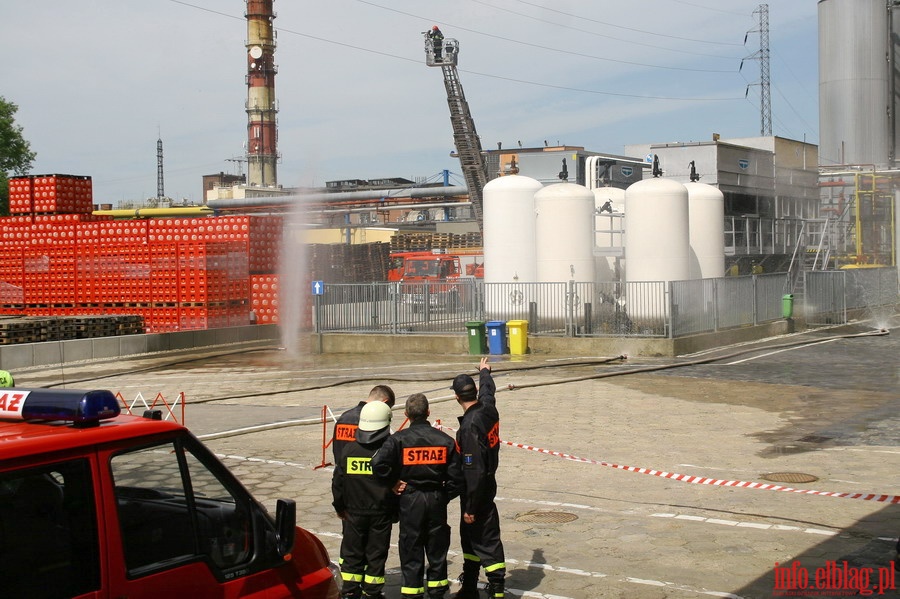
811 252
468 144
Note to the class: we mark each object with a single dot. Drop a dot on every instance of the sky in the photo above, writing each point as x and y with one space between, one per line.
98 82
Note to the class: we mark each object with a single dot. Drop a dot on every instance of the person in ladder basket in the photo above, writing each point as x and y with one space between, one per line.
437 42
478 443
421 464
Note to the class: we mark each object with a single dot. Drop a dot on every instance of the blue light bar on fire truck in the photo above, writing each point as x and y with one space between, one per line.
83 408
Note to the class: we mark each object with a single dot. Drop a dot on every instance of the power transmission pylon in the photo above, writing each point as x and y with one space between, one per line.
762 55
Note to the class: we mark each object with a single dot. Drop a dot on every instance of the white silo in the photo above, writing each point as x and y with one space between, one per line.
510 252
707 230
609 219
564 233
855 46
657 243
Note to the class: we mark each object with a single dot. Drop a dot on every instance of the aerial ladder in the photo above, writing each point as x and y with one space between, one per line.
440 52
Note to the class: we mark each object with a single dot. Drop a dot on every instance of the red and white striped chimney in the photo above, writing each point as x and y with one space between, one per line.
262 132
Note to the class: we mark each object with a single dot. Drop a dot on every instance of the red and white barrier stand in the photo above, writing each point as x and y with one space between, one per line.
171 407
327 415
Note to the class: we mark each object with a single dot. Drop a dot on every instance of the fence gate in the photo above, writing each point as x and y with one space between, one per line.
825 300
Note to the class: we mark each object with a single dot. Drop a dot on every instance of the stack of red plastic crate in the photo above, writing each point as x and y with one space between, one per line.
61 194
56 258
264 297
265 247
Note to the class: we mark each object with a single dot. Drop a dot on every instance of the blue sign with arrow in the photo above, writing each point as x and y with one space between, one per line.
318 287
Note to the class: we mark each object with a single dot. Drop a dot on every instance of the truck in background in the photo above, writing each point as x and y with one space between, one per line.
471 264
432 280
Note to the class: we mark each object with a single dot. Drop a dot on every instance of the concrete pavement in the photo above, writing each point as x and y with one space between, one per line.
582 528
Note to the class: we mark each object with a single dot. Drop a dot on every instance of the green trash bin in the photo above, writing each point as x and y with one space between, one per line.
518 337
787 305
477 338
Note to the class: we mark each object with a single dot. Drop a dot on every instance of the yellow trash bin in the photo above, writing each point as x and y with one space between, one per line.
518 336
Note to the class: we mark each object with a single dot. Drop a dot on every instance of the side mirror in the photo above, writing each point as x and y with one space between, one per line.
285 526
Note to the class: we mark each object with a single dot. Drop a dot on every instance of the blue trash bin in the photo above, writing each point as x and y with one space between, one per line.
496 337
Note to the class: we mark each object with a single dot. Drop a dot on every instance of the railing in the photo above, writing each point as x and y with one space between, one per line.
830 295
572 309
709 305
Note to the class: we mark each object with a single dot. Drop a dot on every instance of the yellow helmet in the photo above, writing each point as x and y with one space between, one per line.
6 379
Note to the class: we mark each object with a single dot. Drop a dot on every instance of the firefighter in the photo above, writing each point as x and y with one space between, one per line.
6 379
366 506
437 42
345 427
422 466
478 443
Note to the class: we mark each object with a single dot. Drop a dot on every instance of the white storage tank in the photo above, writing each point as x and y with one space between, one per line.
657 243
707 230
856 45
564 233
510 252
509 229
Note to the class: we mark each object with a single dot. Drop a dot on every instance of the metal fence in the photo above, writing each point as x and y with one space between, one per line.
644 309
709 305
830 295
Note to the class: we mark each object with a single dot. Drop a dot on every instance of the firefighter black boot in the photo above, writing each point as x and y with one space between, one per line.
469 580
495 589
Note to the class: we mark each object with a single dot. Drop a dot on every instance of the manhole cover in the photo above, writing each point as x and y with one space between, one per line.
790 477
546 517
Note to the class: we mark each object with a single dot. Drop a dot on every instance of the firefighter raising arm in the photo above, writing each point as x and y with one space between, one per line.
478 442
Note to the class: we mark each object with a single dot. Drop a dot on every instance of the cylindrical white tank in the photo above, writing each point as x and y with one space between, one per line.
657 242
607 231
854 82
510 252
564 233
707 230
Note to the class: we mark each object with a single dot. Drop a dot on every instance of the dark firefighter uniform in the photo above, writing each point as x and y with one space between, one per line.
478 443
369 508
345 430
426 460
437 42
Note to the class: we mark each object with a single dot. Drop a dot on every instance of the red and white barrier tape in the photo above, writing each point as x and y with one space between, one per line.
702 480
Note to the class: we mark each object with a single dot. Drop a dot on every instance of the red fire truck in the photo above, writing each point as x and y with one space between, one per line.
432 280
95 504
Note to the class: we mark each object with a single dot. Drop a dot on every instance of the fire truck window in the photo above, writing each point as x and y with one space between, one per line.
225 523
172 509
48 532
153 511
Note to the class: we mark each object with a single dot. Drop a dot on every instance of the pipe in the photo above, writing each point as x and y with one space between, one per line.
512 387
155 212
312 198
602 375
423 206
